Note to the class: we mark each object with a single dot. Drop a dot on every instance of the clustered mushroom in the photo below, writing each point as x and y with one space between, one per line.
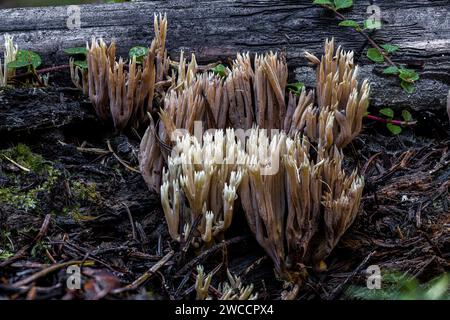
298 201
9 56
200 186
233 289
297 198
124 92
79 76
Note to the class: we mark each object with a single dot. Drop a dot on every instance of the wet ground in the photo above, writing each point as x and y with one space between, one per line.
70 194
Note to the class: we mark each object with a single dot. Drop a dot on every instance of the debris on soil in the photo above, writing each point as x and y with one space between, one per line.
66 198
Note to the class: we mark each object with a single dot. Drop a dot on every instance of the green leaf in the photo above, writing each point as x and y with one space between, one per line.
408 75
388 112
81 63
343 4
394 129
408 87
375 55
323 2
25 58
390 48
139 52
349 23
371 24
76 51
406 115
220 70
295 87
391 70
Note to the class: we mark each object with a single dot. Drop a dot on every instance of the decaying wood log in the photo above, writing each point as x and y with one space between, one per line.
24 111
218 29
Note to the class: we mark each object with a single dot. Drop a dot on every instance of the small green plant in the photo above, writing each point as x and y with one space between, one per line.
378 53
139 53
394 126
28 161
398 287
79 54
26 59
295 87
220 70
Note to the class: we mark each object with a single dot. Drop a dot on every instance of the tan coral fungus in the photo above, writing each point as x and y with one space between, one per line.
200 186
298 207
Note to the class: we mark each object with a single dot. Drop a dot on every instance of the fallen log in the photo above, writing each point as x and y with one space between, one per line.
216 30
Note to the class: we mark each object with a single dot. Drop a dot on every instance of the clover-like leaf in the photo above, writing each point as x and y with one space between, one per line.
388 112
296 87
408 75
323 2
371 24
25 58
408 87
343 4
349 23
76 51
406 115
394 129
81 63
139 52
375 55
390 48
220 70
391 70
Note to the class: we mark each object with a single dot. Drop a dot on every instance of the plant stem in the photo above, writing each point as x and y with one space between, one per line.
396 122
371 41
41 71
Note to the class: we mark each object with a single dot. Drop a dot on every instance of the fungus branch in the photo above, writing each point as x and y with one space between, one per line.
201 182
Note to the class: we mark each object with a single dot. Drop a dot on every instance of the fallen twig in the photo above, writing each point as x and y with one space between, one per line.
338 290
200 258
47 271
22 252
120 160
147 275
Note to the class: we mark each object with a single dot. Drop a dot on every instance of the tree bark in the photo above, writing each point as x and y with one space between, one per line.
216 30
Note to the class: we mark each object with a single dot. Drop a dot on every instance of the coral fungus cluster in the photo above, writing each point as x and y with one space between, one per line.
279 154
123 92
10 54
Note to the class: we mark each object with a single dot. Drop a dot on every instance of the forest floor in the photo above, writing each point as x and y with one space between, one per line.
70 194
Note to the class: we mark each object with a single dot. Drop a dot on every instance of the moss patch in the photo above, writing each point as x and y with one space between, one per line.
20 196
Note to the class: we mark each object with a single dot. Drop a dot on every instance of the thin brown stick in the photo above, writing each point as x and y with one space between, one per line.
147 275
22 252
46 271
120 160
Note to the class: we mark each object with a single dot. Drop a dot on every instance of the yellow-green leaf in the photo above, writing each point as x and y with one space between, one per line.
390 48
220 70
139 52
323 2
408 87
349 23
76 51
343 4
391 70
406 115
25 58
375 55
408 75
388 112
394 129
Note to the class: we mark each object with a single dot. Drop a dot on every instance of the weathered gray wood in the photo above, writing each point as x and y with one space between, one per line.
218 29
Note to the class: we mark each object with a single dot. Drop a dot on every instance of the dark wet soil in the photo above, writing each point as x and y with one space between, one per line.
69 192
